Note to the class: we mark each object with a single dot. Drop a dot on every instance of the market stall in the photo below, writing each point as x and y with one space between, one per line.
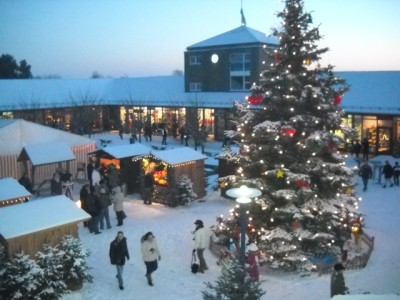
12 192
28 226
127 160
167 166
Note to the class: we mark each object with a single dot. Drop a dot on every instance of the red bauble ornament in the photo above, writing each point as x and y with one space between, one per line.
331 145
288 131
276 58
302 184
255 100
338 99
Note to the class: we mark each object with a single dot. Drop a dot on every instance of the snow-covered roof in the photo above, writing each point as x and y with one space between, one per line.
23 133
178 155
42 154
10 189
372 92
122 151
40 214
237 36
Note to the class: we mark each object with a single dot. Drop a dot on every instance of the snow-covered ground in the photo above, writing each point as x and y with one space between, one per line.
172 228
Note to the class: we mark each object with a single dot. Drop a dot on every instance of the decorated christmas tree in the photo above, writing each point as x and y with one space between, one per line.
289 135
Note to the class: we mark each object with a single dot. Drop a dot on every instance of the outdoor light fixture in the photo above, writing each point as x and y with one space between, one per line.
214 58
243 196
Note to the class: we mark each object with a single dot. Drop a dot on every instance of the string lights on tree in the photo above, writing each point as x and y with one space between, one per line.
289 151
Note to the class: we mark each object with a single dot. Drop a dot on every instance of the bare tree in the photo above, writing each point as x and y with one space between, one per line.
86 117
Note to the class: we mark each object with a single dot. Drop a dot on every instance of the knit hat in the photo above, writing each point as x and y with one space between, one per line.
338 267
198 222
253 247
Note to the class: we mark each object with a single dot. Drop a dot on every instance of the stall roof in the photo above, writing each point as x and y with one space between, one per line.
10 188
42 154
178 155
37 215
122 151
23 133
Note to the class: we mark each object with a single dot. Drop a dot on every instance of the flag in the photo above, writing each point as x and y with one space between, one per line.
243 18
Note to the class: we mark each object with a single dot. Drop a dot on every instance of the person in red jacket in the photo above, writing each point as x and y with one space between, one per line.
253 261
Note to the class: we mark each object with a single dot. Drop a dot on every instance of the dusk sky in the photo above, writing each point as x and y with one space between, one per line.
74 38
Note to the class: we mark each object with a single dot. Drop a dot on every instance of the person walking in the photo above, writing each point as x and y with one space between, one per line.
89 170
387 171
366 174
357 149
396 173
148 188
118 253
164 133
113 177
338 286
117 197
104 201
150 255
200 244
93 208
83 196
365 148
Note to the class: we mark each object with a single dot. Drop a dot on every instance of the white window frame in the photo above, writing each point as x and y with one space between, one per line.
195 86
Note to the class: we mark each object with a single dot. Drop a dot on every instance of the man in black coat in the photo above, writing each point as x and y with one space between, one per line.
366 174
118 252
388 173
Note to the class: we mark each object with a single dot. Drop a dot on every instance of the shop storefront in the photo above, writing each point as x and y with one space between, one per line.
381 131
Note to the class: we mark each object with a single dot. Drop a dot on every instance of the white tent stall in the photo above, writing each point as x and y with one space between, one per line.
18 135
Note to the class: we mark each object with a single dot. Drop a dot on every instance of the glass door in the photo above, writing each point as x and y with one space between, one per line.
384 140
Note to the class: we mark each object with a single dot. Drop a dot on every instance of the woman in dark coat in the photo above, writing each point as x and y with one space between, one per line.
338 287
118 253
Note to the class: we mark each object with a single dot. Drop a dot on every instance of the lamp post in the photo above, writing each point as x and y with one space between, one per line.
243 196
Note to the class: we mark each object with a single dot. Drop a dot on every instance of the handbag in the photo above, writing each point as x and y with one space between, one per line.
194 265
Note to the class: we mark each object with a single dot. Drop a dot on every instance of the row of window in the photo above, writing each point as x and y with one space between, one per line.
239 72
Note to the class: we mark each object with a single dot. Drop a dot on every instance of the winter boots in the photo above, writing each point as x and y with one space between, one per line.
149 280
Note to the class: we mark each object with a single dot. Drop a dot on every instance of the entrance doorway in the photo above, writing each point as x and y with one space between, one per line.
384 140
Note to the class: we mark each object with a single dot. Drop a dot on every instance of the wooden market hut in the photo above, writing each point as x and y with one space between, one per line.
46 154
127 160
29 225
12 192
170 164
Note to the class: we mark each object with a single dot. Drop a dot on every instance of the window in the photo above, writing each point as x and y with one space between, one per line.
239 62
195 59
239 71
195 87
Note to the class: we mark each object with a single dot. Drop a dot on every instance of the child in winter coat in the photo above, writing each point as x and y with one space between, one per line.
150 255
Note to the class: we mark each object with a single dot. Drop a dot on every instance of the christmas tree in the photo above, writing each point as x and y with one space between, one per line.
233 284
185 192
289 150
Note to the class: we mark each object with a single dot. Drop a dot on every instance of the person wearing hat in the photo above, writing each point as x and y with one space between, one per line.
252 260
200 244
338 287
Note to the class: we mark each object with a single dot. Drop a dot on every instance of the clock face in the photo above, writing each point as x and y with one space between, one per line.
214 58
